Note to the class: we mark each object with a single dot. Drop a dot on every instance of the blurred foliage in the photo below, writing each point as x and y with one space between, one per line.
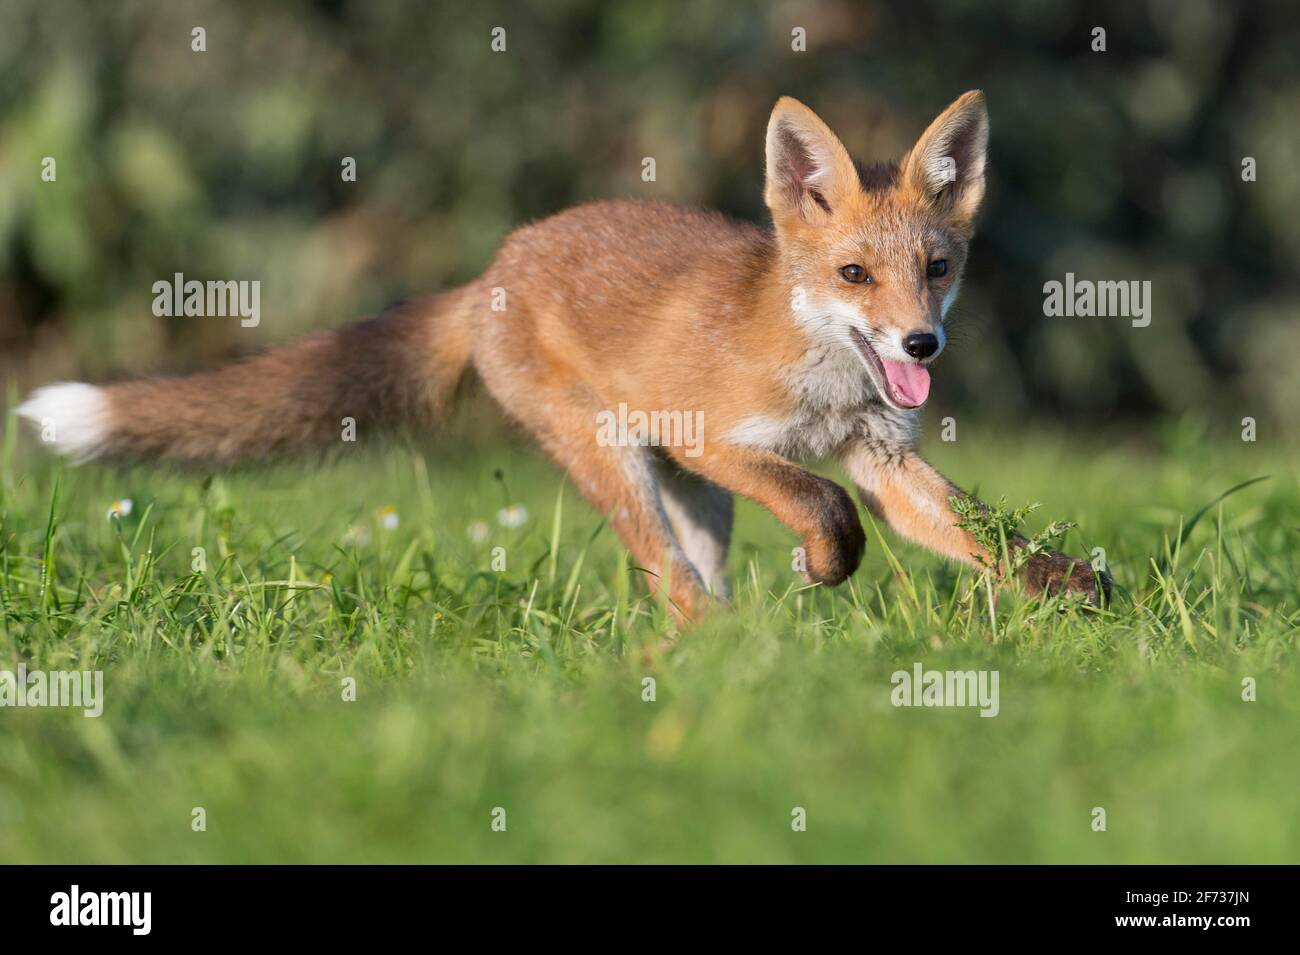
1121 165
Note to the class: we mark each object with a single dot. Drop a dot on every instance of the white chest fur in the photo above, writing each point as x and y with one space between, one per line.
835 403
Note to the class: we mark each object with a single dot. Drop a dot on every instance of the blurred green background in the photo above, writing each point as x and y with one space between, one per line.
226 164
522 688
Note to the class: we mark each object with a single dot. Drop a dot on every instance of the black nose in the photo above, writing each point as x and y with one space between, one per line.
921 346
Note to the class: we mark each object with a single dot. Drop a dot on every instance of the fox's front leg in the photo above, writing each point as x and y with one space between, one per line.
816 508
899 487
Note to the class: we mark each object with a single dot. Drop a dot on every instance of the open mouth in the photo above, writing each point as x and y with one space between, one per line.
904 384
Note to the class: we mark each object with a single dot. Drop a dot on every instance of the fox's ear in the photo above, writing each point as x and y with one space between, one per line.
946 166
809 172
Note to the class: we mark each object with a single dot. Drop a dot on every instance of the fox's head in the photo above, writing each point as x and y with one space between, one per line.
874 257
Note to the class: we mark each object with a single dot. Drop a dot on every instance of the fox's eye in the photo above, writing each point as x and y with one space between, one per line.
937 268
855 273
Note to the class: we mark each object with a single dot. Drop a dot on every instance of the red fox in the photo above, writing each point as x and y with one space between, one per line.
809 339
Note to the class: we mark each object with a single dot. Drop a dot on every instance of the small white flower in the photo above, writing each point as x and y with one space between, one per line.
388 517
119 508
516 515
478 531
357 536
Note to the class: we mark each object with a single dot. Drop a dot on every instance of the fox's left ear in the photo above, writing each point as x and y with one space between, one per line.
946 166
809 172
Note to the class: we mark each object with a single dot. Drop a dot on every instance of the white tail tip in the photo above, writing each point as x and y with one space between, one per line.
70 418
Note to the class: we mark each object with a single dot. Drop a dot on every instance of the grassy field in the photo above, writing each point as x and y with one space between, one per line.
522 688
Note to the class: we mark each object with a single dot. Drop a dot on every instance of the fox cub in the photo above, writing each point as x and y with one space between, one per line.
811 338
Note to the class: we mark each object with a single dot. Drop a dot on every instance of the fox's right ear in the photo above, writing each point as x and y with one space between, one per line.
946 166
809 172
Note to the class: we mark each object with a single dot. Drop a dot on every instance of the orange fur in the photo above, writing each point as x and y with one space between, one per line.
661 308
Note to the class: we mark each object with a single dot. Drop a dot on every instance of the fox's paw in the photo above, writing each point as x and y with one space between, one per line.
834 550
1050 574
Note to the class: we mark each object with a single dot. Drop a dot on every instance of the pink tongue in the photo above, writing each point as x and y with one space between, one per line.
909 382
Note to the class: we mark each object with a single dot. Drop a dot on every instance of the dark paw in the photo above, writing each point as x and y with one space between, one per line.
835 550
1052 574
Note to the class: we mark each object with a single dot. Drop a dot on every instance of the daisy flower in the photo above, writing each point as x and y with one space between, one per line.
516 515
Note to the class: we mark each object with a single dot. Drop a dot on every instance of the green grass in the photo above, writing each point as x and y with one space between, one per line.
522 689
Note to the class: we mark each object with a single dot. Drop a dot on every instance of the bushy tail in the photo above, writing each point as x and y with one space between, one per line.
400 367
